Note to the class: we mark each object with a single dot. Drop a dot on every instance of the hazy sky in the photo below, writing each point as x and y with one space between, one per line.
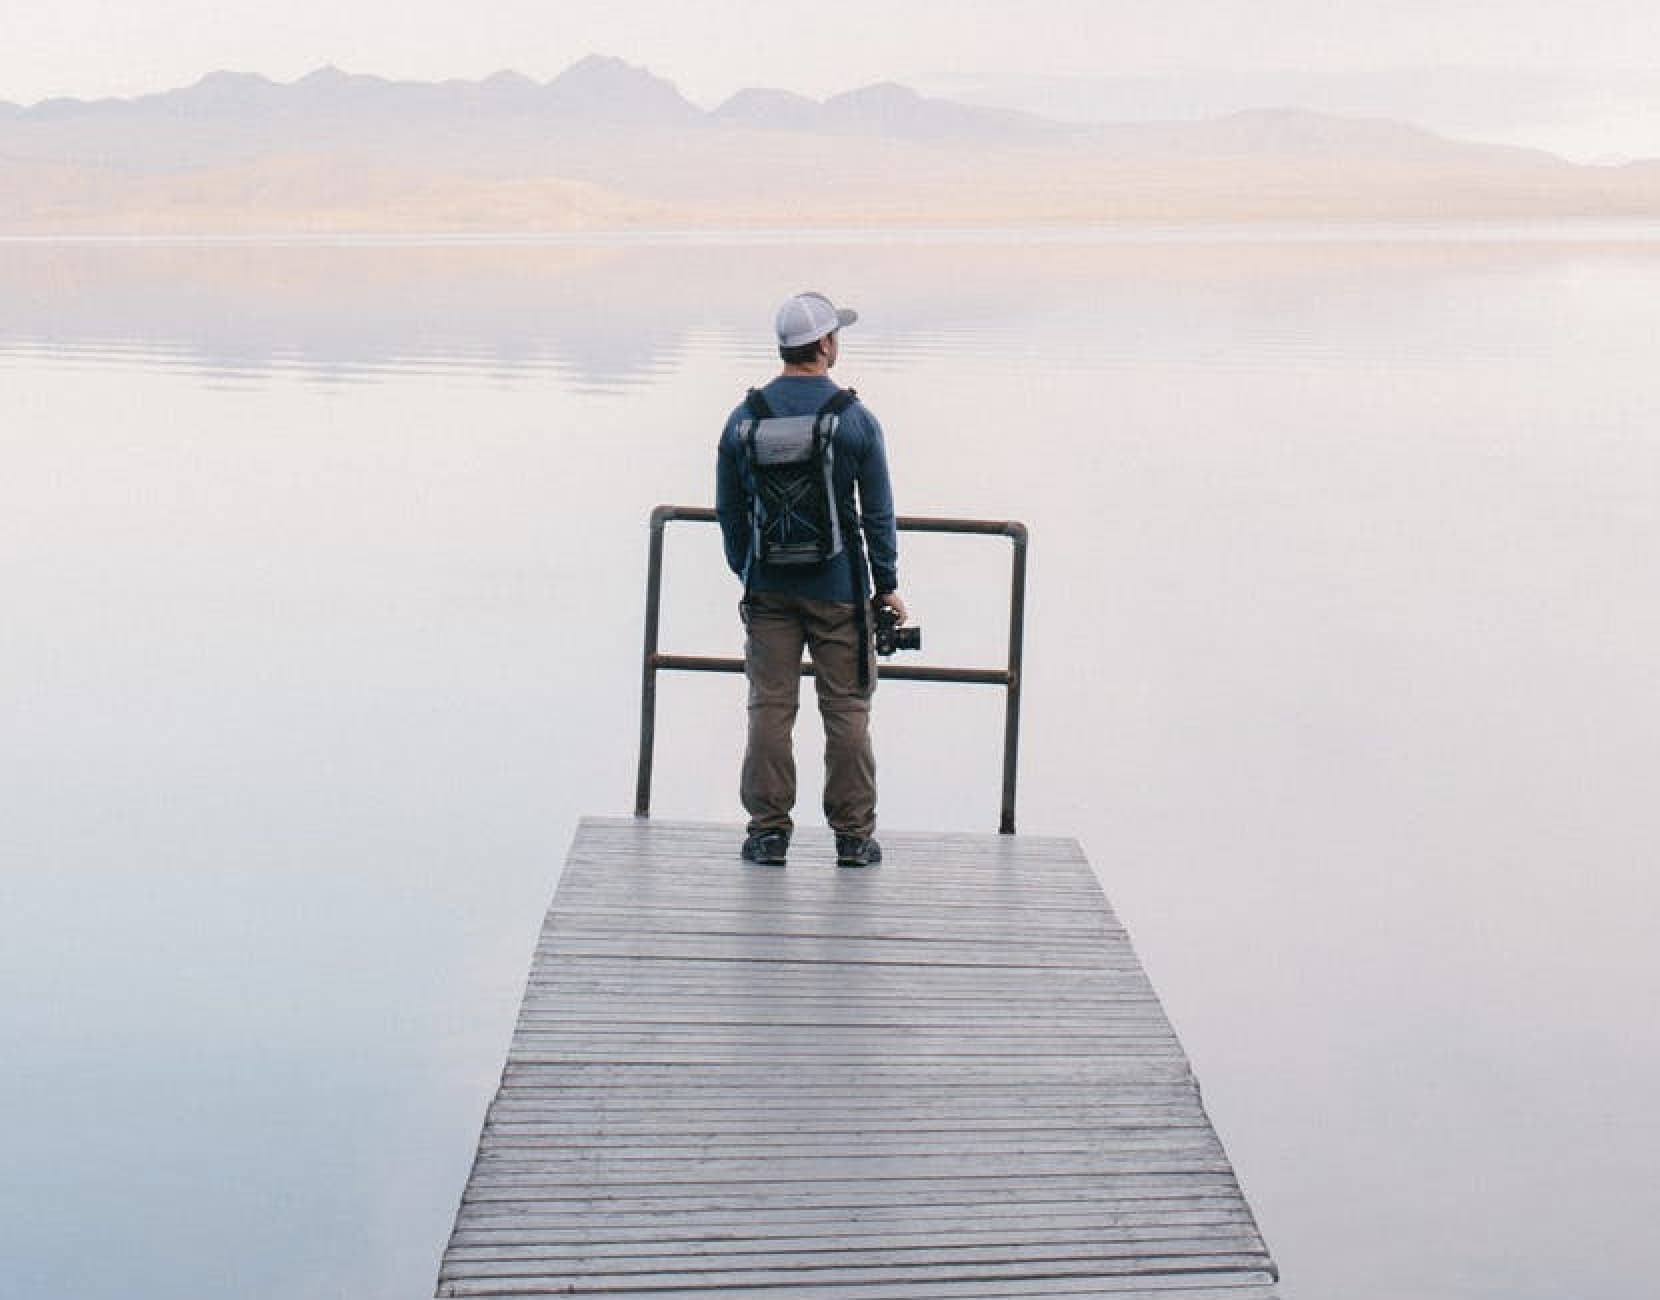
1583 78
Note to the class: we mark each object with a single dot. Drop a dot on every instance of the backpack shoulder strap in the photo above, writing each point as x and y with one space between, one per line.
839 401
757 405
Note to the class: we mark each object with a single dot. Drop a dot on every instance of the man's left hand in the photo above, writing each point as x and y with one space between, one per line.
892 600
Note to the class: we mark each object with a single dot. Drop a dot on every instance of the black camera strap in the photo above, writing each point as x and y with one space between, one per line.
861 602
853 541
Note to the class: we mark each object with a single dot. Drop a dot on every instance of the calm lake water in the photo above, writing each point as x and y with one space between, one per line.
322 573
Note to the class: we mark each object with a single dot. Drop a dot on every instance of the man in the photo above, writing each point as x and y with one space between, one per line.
822 606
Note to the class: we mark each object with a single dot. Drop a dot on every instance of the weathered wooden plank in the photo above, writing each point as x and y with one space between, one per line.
1138 1189
736 1128
740 1273
808 1104
663 1219
940 1233
894 1042
543 1070
1253 1285
940 1079
491 1174
697 1234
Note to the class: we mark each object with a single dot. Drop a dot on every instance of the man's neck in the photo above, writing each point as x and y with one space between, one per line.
812 370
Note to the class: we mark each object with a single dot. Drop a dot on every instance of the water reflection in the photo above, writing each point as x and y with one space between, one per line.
343 313
610 318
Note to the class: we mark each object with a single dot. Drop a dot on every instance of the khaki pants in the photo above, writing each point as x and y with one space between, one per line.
779 626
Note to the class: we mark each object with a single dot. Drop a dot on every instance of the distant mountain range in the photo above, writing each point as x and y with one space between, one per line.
608 145
597 90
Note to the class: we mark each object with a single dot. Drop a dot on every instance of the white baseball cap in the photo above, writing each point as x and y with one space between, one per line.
808 317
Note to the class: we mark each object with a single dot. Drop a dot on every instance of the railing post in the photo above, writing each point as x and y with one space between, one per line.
1017 650
648 661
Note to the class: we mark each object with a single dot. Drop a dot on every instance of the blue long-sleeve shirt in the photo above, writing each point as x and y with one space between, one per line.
860 467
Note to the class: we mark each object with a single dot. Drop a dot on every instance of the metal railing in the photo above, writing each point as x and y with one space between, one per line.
1007 677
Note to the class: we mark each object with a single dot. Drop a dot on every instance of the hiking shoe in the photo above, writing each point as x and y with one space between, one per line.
857 851
766 847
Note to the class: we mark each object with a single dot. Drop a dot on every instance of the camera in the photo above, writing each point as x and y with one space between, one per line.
890 636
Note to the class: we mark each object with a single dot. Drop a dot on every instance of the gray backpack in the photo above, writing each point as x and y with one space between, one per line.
792 510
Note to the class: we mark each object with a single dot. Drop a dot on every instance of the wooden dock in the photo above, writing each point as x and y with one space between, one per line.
943 1078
